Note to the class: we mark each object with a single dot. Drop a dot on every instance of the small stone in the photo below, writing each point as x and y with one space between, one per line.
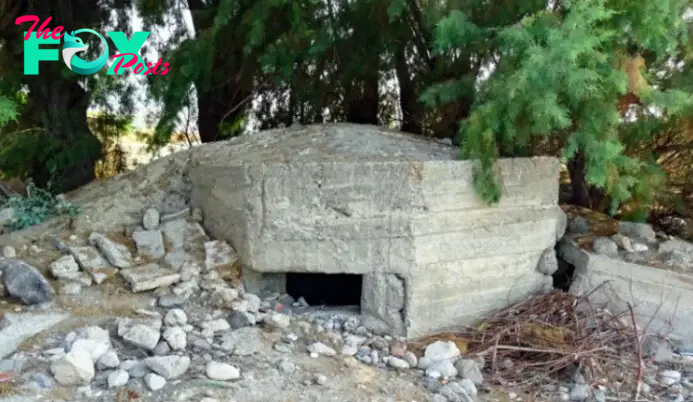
108 360
219 325
238 319
149 243
469 369
397 363
411 358
443 368
605 247
168 367
622 242
70 288
117 254
222 371
442 350
253 302
94 347
175 317
142 336
150 220
176 338
320 348
75 368
320 379
64 265
638 230
118 378
278 320
348 350
154 381
218 253
162 349
223 297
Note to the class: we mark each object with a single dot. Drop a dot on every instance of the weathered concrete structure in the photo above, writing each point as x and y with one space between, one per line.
399 210
660 298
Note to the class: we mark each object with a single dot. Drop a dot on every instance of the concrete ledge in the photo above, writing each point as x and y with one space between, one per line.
661 299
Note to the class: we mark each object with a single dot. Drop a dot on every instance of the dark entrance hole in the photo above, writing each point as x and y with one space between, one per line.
563 277
325 289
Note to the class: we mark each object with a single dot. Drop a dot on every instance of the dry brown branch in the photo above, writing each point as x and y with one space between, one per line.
549 333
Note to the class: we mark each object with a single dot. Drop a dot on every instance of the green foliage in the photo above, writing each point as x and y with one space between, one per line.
38 206
8 111
557 75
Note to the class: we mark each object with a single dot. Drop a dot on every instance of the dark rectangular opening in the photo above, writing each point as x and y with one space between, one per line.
325 289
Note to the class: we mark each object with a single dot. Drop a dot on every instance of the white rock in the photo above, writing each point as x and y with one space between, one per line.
154 381
75 368
278 320
218 253
118 378
443 368
150 219
397 363
176 338
64 265
348 350
143 336
108 360
176 317
442 350
96 333
253 302
321 349
469 369
95 348
219 325
168 367
223 297
222 371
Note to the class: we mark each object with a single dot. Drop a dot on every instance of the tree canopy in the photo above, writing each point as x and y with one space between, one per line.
606 85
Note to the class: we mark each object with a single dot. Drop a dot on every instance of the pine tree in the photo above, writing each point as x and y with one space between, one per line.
563 72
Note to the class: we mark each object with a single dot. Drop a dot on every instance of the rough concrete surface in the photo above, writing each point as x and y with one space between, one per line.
364 200
660 298
346 198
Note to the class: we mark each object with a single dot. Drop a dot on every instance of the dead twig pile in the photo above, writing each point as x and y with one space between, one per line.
525 343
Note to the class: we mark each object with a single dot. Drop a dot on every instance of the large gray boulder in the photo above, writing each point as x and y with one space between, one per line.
25 282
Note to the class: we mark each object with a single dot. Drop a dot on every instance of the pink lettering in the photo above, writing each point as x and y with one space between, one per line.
43 31
129 64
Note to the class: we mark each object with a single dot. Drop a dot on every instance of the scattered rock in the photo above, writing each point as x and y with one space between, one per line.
169 367
24 282
117 254
469 369
222 371
218 254
605 246
150 219
637 230
118 378
74 368
176 338
320 348
442 350
154 381
149 243
149 276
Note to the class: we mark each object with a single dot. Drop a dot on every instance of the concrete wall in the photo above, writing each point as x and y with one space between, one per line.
400 210
660 298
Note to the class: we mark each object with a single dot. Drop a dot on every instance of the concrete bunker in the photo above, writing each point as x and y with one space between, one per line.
397 210
325 289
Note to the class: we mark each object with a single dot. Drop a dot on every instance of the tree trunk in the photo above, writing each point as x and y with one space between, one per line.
68 159
584 194
411 109
362 106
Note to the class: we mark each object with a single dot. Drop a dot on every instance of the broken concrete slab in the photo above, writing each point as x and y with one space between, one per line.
149 243
89 258
18 327
149 276
364 200
174 233
659 297
117 254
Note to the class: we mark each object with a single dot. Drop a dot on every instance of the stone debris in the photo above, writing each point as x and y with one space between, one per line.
24 282
148 277
201 326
